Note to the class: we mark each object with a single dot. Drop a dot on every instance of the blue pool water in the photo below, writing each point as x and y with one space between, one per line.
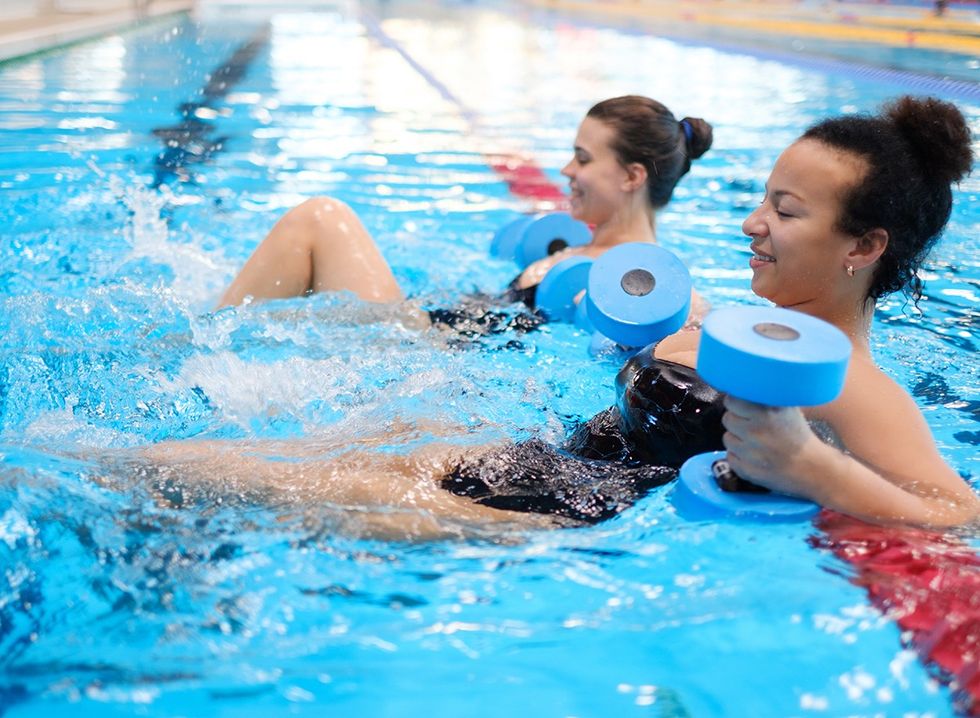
137 173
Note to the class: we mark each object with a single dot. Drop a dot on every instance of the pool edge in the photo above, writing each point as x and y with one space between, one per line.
56 31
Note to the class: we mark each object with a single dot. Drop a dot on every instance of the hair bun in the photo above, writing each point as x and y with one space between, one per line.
937 133
700 138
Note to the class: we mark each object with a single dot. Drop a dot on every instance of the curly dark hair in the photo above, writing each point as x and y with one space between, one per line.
914 150
648 133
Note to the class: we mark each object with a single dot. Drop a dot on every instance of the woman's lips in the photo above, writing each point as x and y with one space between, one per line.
758 259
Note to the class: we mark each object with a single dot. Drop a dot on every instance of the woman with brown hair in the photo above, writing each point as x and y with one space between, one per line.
630 152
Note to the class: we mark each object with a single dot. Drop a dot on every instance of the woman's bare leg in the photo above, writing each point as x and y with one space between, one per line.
318 246
361 493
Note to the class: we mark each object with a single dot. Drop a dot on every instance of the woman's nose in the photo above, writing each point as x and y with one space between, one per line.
755 224
567 169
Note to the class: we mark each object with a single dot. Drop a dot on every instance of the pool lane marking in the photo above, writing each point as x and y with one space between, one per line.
838 28
189 142
524 178
907 79
925 581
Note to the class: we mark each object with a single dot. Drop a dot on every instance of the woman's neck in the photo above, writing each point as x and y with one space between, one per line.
853 318
632 224
857 327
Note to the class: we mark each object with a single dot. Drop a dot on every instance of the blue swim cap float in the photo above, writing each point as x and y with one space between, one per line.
638 293
528 239
770 356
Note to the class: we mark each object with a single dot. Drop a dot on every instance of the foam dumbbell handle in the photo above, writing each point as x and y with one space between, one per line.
638 293
507 239
550 233
556 293
729 481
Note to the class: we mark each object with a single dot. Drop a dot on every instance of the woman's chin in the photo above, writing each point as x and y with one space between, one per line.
575 209
760 289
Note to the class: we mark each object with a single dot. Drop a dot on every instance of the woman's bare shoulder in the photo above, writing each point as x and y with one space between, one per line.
680 347
880 424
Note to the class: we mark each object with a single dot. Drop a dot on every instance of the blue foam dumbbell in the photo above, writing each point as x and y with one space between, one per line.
556 293
701 495
505 240
638 293
771 356
528 239
551 233
598 344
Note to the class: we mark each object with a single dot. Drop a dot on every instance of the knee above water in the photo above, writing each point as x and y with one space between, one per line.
324 209
318 220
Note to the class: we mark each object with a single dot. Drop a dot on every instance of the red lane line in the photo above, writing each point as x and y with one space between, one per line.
929 584
526 180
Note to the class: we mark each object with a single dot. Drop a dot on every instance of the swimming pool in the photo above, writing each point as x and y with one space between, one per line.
138 172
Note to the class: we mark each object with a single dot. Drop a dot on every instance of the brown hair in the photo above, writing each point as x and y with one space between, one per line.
648 133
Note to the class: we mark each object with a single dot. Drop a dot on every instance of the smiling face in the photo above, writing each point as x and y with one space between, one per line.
599 183
800 258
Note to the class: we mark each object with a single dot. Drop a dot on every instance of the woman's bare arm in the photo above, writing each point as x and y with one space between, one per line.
891 471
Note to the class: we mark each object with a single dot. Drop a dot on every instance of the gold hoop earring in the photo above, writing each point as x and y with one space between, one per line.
850 270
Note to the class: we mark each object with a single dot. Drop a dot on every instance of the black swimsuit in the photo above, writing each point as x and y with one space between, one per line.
526 296
474 317
665 415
